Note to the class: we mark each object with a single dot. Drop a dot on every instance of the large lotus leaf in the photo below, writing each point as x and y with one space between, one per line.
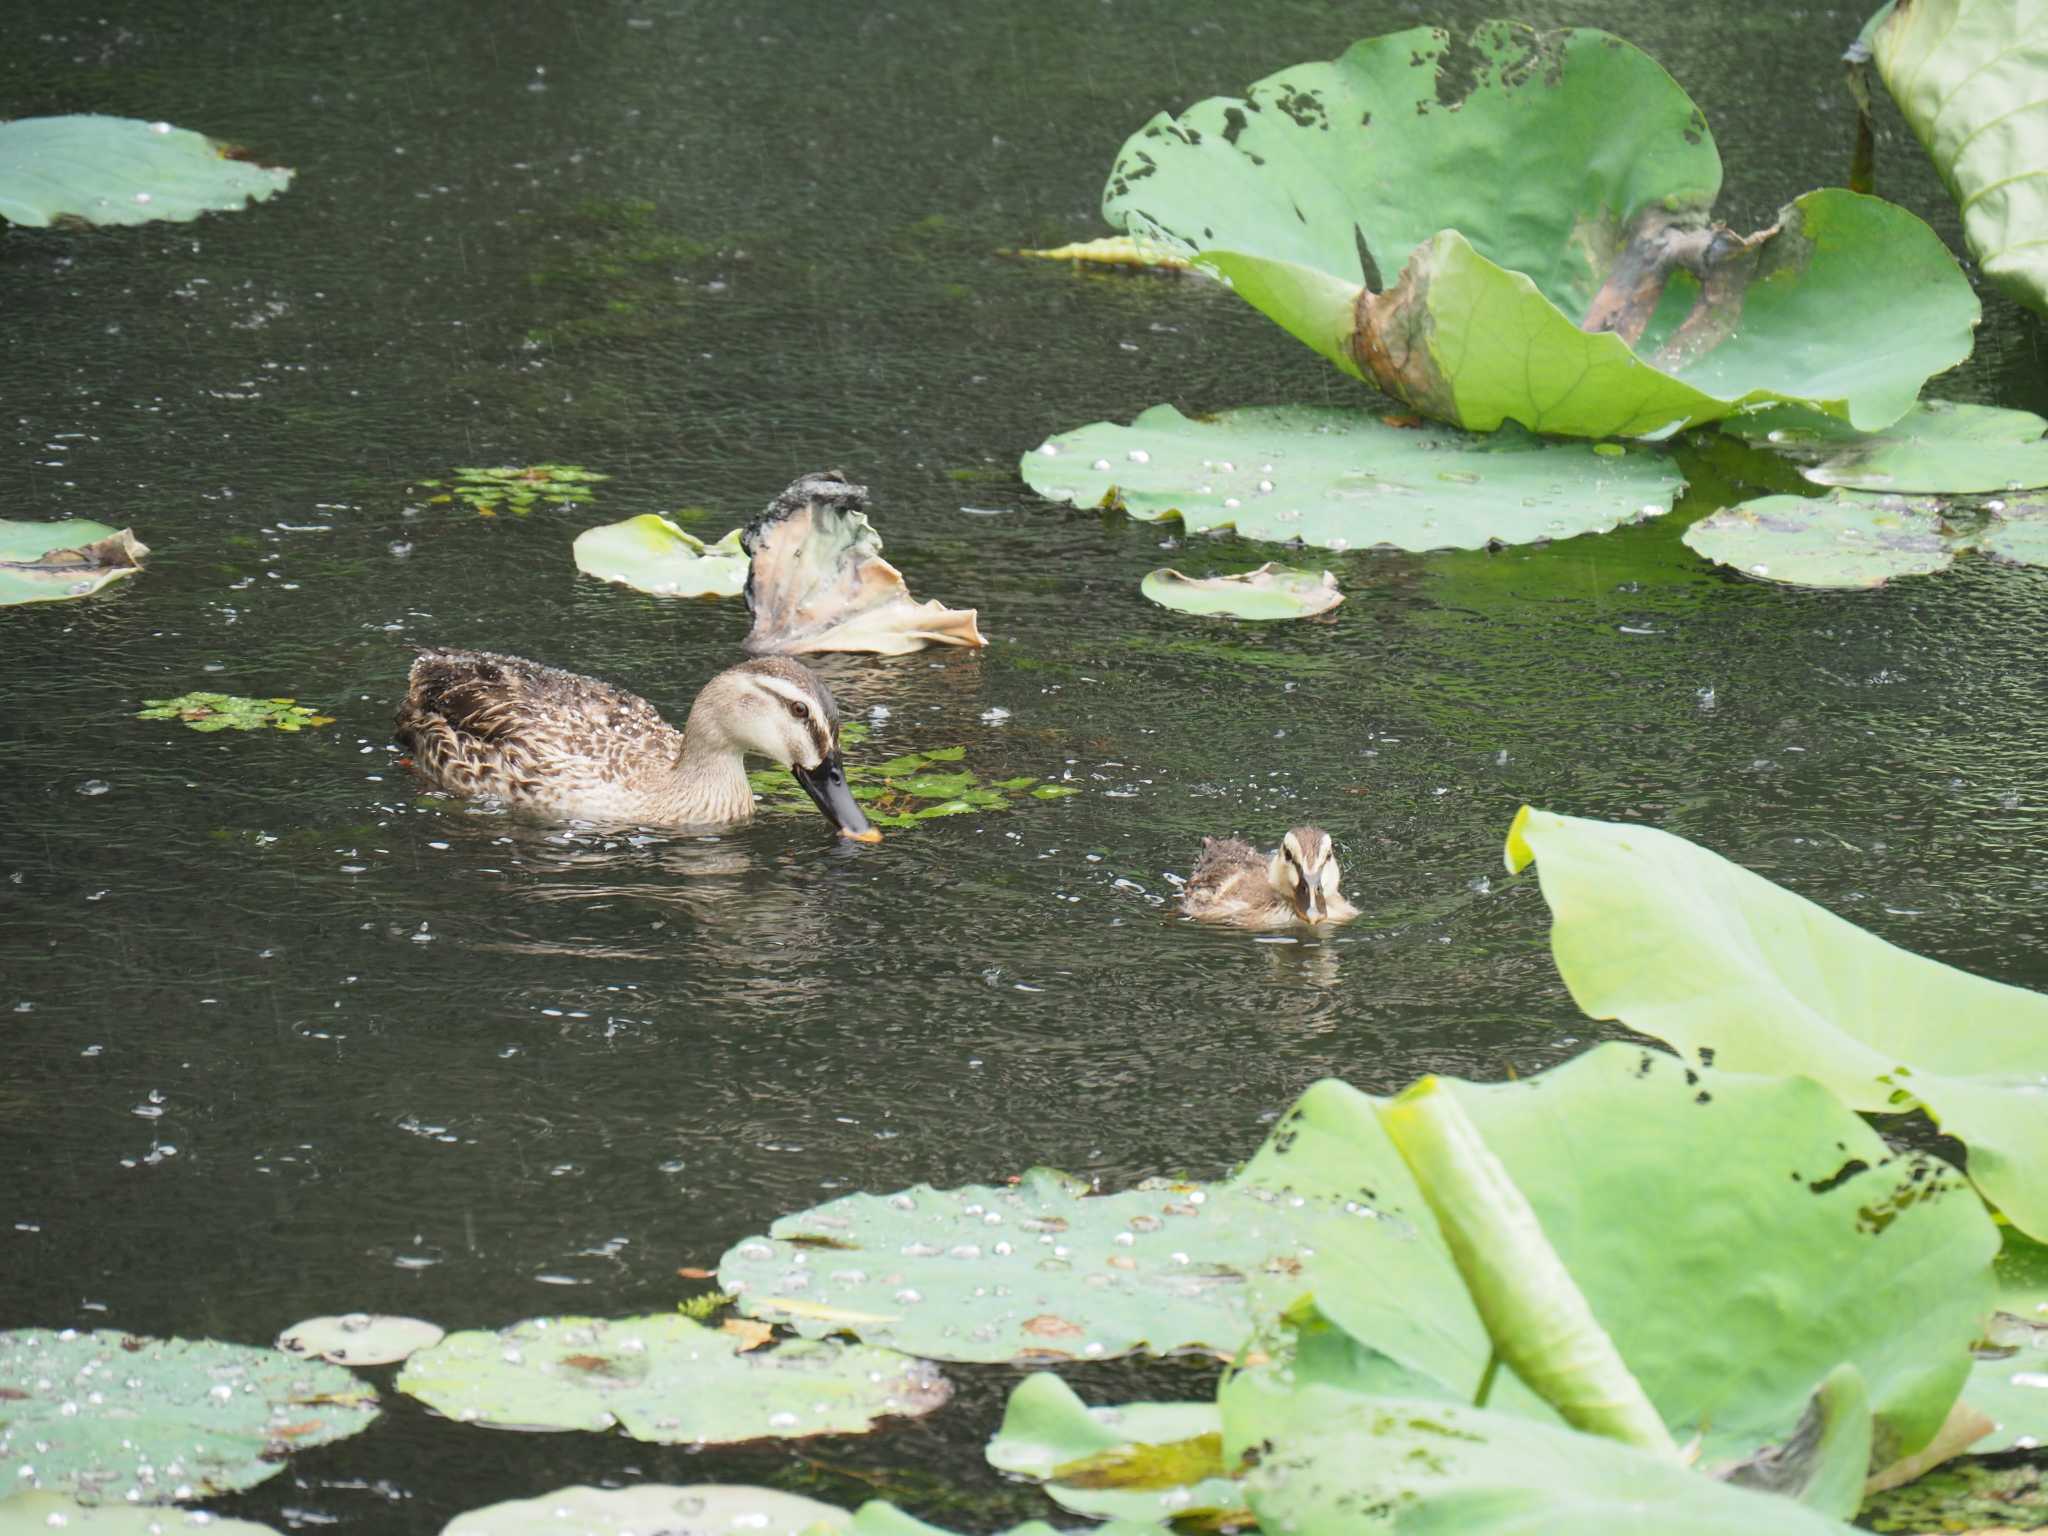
1938 446
108 1416
42 562
1543 199
655 1509
121 170
1144 1461
1272 591
1035 1271
667 1379
818 581
1846 539
38 1514
1967 75
1680 944
651 554
1339 479
1329 1463
2010 1381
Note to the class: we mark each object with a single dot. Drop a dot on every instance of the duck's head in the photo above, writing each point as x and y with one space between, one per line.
781 710
1304 870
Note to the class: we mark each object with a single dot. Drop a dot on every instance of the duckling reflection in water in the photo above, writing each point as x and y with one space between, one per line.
1235 883
572 748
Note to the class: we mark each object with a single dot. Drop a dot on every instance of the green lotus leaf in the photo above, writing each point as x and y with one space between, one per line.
1336 479
45 562
1684 946
1967 75
110 1417
1039 1270
666 1379
1846 539
38 1514
651 554
880 1518
1331 1463
359 1338
1143 1461
1271 591
2010 1380
122 170
643 1509
2017 533
1517 228
1938 446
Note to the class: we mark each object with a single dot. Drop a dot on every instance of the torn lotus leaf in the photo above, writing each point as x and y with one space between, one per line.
45 562
819 583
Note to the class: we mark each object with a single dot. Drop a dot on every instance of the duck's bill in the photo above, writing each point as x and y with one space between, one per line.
826 785
1312 907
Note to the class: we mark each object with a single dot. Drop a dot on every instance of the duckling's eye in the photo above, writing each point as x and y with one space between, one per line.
799 710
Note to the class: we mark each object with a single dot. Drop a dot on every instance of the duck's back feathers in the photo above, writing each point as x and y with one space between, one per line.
1228 882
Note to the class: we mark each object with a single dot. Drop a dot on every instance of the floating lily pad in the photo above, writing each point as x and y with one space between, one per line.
1337 479
358 1338
2010 1380
880 1518
1142 1461
654 1509
819 583
1116 251
519 490
901 792
1967 75
229 712
1846 539
110 1417
1517 228
121 170
38 1514
1034 1271
666 1379
1938 446
2017 533
1272 591
651 554
1691 949
44 562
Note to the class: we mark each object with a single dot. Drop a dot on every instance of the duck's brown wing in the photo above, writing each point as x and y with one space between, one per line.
1221 858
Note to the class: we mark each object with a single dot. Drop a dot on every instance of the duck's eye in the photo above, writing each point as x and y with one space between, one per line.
799 710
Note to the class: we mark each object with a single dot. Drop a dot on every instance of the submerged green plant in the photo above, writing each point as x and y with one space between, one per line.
228 712
518 490
918 786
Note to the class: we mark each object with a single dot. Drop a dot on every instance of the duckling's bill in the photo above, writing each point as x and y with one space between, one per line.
826 785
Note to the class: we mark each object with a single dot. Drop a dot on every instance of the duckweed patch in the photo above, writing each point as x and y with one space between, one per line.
517 490
903 791
230 712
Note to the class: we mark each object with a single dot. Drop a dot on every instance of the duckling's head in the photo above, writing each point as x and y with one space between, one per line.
781 710
1304 870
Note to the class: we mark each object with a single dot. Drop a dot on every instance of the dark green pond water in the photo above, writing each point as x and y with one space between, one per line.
282 1039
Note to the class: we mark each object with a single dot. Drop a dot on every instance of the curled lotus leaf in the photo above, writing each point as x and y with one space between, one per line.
94 169
1967 76
359 1338
643 1509
1846 539
1336 479
651 554
1271 591
667 1379
818 581
1517 227
45 562
110 1417
1939 446
1115 251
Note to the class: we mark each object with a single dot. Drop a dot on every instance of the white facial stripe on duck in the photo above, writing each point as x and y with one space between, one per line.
1311 870
818 720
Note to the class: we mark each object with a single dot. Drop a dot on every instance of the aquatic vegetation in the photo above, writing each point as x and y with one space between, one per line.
25 1512
666 1378
47 562
818 581
645 1508
651 554
519 490
1724 966
1337 479
915 786
1845 539
1938 446
1515 227
88 168
1969 1497
359 1338
1134 252
230 712
1966 75
110 1417
2010 1378
610 272
1272 591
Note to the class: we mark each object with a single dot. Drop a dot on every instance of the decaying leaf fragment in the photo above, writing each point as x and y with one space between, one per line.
818 581
43 562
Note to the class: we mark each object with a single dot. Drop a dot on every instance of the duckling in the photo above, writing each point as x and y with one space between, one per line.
574 749
1297 883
